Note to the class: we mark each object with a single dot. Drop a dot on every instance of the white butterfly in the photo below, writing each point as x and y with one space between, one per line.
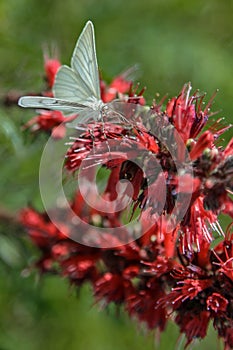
77 88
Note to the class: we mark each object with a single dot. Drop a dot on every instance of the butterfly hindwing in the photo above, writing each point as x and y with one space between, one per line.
67 86
84 117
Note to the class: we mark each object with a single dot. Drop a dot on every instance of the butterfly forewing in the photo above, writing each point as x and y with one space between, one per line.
51 103
80 83
84 60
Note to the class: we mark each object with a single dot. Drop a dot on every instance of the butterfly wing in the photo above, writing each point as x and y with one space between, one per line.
51 103
85 117
128 114
80 83
84 59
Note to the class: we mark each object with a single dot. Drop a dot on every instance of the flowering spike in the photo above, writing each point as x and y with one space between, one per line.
160 157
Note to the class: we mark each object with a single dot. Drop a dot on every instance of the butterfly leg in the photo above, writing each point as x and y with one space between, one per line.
102 115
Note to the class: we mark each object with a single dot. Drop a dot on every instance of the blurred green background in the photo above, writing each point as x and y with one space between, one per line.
174 42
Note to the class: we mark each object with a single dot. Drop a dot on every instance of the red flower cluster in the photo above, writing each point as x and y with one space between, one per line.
141 277
167 165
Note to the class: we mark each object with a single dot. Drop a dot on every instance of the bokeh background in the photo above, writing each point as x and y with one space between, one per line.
174 41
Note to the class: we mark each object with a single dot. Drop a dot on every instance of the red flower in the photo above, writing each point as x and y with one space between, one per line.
121 87
194 326
40 228
205 141
53 121
217 303
51 66
186 114
143 305
80 268
111 287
